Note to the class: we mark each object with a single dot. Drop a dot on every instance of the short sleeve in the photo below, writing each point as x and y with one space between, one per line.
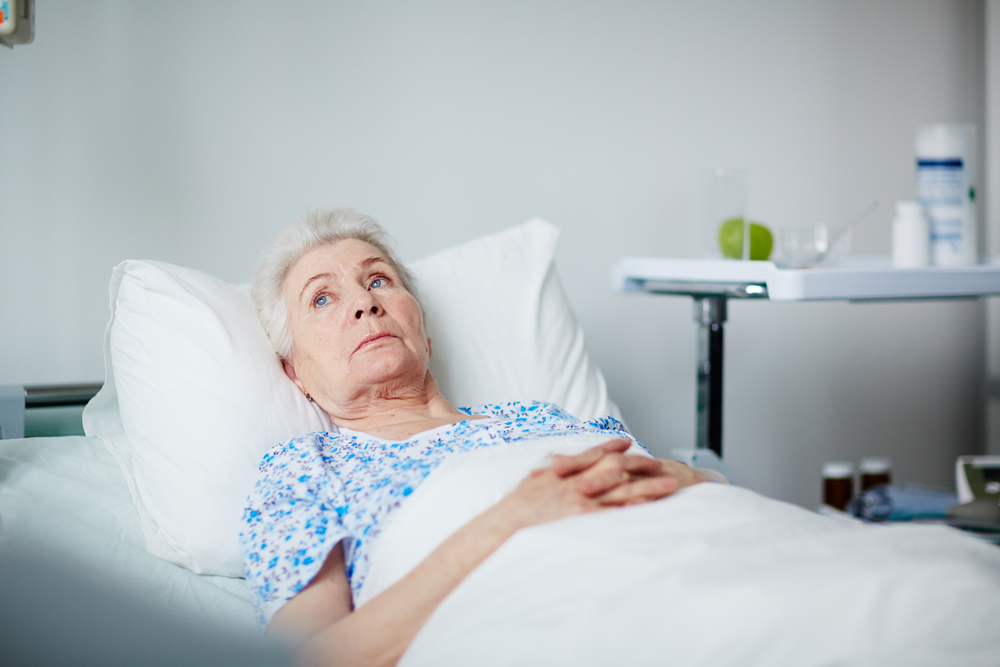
612 426
535 412
290 524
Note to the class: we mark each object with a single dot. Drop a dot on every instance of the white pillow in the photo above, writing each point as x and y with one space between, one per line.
200 397
501 328
194 394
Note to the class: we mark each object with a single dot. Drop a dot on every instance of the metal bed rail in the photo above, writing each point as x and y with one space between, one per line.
16 399
55 395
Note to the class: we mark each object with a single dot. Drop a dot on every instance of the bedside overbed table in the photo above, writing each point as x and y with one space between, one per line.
711 283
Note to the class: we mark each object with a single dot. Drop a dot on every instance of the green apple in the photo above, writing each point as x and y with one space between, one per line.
731 240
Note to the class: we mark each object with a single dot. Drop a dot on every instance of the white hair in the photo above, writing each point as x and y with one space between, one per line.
316 228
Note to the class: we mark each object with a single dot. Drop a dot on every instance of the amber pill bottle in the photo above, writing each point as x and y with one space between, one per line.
838 484
875 470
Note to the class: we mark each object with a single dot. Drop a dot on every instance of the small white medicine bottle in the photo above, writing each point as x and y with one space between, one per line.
911 236
946 186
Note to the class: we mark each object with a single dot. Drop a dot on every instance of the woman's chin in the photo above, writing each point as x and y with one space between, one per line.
399 373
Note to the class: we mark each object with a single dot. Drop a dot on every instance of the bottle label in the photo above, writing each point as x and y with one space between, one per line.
942 188
941 182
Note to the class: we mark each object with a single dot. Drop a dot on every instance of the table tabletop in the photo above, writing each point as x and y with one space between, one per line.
856 279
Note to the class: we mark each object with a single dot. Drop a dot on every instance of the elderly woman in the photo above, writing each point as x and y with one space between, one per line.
344 318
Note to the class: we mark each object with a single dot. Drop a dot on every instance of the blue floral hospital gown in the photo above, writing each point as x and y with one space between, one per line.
314 491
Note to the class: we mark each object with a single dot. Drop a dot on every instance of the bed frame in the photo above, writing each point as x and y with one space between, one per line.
16 400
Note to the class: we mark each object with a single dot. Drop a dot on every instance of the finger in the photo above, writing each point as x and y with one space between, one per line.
639 491
563 465
641 465
650 490
684 474
633 463
601 482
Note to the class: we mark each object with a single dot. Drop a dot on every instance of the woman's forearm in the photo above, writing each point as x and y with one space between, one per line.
379 632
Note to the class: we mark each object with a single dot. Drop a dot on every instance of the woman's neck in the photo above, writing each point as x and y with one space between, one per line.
400 417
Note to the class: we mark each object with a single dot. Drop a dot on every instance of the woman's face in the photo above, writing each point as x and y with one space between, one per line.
356 332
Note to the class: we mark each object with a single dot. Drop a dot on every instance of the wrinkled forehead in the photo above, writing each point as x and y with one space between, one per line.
332 260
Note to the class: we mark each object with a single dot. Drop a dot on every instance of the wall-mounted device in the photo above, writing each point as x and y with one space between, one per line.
977 478
17 22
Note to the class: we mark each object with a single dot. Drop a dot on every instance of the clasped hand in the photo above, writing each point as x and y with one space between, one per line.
600 477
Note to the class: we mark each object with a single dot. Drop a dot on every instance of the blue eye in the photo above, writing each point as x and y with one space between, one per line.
378 282
321 300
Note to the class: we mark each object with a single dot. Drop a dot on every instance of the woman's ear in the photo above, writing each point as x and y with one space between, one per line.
289 369
430 351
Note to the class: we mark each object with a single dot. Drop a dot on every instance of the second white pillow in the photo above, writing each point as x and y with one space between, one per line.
501 327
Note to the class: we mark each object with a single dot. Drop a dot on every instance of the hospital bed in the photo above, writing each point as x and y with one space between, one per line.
148 502
82 496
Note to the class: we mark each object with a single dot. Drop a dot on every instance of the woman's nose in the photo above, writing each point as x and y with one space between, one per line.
365 302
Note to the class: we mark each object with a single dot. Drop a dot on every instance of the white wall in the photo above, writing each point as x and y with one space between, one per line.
192 132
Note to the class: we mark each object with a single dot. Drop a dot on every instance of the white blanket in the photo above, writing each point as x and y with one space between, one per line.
68 495
463 487
715 575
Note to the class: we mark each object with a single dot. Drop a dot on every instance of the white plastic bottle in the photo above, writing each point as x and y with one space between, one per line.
910 236
946 188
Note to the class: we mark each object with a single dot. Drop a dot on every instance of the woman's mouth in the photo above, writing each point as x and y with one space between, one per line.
371 338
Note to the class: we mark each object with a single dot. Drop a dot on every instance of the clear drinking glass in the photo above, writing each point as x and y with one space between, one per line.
725 231
813 246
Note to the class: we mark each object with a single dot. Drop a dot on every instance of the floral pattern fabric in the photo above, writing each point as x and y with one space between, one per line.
316 490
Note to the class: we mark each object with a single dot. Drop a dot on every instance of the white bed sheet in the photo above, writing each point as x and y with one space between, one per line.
67 494
715 575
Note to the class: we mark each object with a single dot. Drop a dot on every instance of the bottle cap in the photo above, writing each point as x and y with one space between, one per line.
909 209
875 465
945 140
838 469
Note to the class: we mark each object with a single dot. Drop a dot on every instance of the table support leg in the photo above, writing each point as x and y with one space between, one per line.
710 314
